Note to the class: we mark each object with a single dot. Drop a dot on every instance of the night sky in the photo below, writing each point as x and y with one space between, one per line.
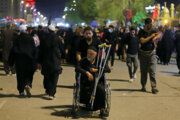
52 8
55 8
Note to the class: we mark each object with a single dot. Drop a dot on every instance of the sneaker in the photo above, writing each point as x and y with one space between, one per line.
27 88
22 94
155 90
143 89
51 97
103 114
135 76
13 74
131 80
8 74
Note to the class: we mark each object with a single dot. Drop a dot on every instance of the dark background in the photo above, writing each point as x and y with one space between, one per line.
55 8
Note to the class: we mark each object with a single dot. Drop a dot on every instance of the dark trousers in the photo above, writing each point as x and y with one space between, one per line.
7 68
178 62
50 83
23 80
112 55
148 65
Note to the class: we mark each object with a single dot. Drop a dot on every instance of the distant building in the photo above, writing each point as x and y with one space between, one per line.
10 8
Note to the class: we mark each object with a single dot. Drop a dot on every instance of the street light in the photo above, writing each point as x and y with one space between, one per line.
165 21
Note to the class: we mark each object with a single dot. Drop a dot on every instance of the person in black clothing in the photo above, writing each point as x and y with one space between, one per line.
50 60
75 44
87 68
148 55
86 42
22 56
121 38
177 43
167 44
8 38
110 38
41 33
132 41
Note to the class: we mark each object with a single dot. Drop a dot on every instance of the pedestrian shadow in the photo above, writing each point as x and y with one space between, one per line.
171 73
11 96
68 112
65 86
117 80
130 90
42 96
68 65
2 74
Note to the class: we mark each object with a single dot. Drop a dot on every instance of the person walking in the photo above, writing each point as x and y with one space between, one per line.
22 56
49 60
148 56
132 42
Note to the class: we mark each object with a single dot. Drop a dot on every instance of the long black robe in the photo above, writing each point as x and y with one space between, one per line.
86 86
22 55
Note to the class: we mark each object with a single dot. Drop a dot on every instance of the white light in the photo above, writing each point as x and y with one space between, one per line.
67 25
165 21
39 13
74 1
82 24
34 10
27 5
25 11
37 19
64 17
74 4
31 8
42 16
60 24
22 2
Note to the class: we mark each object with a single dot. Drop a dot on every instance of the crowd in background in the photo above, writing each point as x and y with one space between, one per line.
69 40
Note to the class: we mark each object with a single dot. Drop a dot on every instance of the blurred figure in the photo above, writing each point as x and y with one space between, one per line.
22 57
8 38
177 44
63 37
75 44
121 37
167 46
49 60
159 51
110 38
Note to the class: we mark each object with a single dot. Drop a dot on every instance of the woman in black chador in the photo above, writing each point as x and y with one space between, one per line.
87 68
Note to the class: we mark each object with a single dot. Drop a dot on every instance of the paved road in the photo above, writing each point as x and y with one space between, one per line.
128 103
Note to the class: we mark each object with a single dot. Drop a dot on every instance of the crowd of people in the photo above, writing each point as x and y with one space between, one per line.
26 49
